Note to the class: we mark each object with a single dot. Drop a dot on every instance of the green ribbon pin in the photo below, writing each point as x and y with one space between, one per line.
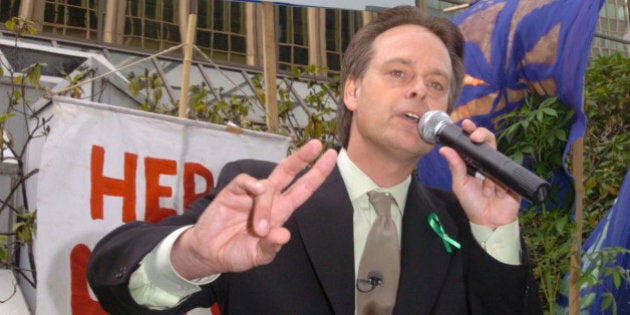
435 224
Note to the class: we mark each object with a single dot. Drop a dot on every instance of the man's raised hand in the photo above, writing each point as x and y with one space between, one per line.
485 202
243 226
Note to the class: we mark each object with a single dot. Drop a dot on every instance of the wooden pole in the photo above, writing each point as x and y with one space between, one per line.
269 57
26 10
456 7
576 247
188 49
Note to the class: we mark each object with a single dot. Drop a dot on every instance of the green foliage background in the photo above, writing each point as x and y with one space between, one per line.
536 134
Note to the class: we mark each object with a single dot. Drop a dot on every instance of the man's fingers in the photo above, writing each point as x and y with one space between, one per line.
479 135
272 234
263 204
286 170
304 187
489 188
244 184
455 162
246 193
271 244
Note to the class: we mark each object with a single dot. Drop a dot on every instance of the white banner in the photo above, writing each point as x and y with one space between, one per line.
102 166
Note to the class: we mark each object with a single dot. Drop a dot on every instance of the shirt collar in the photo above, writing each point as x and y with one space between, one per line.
359 184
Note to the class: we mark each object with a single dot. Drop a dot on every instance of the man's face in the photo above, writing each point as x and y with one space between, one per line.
409 74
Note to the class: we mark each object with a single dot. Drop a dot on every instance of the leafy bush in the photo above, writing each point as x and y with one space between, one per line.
19 109
536 135
607 139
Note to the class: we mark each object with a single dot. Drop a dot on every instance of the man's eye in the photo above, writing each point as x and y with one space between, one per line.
437 86
397 74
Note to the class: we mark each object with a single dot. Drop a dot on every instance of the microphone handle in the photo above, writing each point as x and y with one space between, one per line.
491 163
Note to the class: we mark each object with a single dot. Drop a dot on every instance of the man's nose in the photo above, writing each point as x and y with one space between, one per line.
417 89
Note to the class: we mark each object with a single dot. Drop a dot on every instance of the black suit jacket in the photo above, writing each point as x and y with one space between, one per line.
314 272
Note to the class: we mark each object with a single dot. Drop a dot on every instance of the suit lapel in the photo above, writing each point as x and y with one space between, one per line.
424 260
325 224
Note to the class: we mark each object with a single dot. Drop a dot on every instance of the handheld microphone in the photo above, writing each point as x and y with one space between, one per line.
436 127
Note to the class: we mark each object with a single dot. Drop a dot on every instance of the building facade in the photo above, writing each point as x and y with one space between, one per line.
230 30
226 30
613 30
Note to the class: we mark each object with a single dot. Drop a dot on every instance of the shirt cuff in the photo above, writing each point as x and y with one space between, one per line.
503 244
156 284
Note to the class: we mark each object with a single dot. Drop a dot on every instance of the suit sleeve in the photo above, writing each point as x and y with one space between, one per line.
498 288
493 287
117 255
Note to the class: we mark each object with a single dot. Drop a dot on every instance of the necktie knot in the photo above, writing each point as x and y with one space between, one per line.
382 202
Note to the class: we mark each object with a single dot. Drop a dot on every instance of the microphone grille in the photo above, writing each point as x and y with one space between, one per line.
430 124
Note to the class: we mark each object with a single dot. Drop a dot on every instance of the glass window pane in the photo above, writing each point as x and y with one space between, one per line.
220 41
221 30
237 44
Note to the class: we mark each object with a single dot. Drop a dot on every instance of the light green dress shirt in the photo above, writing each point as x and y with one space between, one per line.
358 185
157 285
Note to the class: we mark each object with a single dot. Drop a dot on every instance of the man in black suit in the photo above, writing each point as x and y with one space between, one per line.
282 239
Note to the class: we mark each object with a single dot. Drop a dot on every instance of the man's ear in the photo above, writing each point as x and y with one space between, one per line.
351 93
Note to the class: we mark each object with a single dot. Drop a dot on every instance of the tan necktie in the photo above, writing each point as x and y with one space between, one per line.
377 281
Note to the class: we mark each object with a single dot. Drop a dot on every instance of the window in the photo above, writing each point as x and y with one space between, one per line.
8 9
293 37
152 24
76 18
340 27
221 30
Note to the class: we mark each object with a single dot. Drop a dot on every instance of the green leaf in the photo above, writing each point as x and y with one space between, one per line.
560 224
587 300
134 87
607 301
550 112
561 135
32 30
617 279
10 24
3 118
